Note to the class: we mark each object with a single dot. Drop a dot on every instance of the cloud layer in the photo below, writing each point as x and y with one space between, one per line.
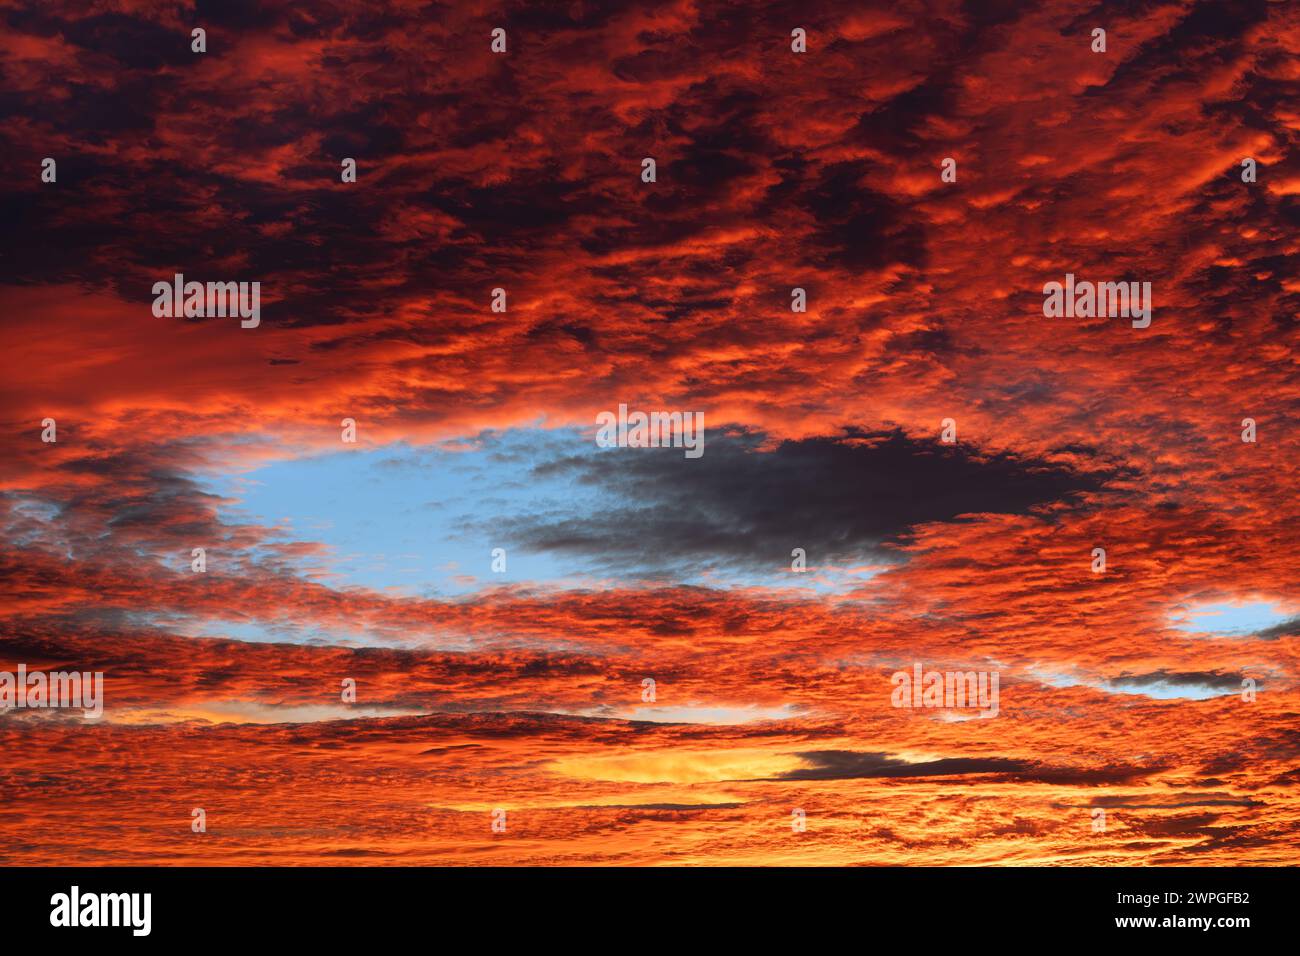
775 171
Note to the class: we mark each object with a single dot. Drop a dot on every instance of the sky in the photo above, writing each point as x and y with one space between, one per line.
628 655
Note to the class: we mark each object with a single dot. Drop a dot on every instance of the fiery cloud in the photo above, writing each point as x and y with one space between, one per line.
522 690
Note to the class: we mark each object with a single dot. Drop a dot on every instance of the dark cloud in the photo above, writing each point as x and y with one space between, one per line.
839 498
1178 826
136 44
1213 680
1288 628
858 228
851 765
1173 803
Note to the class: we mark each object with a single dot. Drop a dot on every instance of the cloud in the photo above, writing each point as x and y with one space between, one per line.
848 765
851 765
776 170
842 499
1174 684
